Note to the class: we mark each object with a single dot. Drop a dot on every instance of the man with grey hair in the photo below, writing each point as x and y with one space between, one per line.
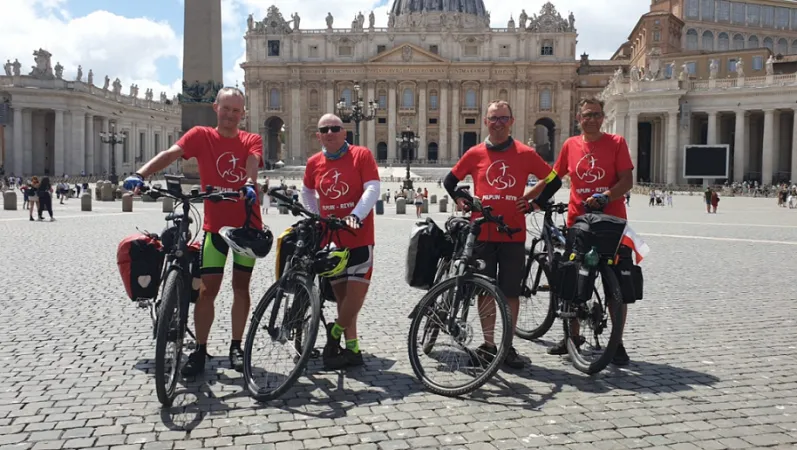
228 160
343 180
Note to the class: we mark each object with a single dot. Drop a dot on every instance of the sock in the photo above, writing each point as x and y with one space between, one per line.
235 344
337 331
202 348
353 345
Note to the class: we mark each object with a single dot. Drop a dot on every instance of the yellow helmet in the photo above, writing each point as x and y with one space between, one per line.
331 262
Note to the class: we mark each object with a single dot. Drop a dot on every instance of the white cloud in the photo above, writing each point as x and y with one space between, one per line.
127 48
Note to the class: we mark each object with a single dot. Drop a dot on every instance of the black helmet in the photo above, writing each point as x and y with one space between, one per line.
249 242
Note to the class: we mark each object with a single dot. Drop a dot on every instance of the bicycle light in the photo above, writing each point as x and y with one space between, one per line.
479 264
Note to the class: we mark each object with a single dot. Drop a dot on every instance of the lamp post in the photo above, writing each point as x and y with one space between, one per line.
359 111
113 138
408 142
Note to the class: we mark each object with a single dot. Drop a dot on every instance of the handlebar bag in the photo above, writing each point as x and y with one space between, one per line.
286 245
139 258
427 244
602 231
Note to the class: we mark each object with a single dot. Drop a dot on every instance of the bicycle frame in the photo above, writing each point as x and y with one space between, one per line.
550 236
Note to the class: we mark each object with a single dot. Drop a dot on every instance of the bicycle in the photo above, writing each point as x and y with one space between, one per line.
577 313
450 314
297 279
170 313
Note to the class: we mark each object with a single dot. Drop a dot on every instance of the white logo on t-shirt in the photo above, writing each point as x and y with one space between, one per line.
497 177
229 169
331 185
588 171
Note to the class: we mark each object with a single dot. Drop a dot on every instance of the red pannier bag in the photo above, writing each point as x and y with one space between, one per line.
140 261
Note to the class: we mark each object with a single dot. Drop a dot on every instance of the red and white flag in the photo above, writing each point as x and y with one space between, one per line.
631 239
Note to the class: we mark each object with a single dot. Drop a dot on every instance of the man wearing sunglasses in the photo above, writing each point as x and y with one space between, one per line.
500 167
600 169
343 180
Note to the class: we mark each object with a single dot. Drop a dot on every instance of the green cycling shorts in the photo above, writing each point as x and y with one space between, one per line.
214 256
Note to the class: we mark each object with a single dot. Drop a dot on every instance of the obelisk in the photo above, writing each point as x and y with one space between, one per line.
202 68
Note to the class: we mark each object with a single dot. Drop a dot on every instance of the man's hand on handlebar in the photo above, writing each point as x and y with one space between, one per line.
353 222
597 202
248 192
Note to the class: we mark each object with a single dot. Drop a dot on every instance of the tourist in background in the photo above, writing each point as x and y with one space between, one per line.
46 198
32 190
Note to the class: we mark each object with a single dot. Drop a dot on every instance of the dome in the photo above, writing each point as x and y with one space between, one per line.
475 7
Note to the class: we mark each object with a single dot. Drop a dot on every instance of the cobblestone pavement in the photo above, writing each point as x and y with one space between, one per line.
713 344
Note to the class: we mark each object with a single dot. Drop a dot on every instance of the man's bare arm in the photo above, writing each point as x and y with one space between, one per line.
161 161
624 184
252 164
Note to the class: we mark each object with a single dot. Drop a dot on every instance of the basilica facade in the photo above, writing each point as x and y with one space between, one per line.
432 70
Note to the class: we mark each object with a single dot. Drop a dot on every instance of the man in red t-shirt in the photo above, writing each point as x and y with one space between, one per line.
601 173
500 168
343 181
228 160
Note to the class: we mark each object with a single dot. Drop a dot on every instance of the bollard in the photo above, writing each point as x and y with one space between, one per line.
107 192
401 206
380 207
384 197
117 194
127 202
434 199
283 210
425 207
98 191
10 200
85 201
443 205
168 205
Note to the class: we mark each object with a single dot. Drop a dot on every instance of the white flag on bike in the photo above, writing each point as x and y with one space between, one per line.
631 239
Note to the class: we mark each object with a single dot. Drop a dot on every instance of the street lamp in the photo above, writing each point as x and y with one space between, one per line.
112 138
409 145
358 111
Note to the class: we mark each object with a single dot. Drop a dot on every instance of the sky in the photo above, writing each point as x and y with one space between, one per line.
140 41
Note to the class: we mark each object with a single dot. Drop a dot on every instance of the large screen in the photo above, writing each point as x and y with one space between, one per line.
706 161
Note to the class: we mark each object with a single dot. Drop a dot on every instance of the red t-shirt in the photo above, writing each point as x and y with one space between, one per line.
339 184
222 164
593 168
500 180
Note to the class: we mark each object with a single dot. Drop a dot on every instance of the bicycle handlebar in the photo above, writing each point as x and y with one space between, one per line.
156 192
554 208
476 205
332 222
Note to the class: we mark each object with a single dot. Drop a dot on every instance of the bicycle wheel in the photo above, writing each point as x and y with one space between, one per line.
170 331
591 319
288 302
451 356
432 330
538 302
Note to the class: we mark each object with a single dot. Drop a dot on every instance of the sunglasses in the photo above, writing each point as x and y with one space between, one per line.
595 115
502 119
334 129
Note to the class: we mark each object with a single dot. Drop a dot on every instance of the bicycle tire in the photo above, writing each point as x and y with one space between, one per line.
173 290
300 283
443 269
550 316
502 349
613 303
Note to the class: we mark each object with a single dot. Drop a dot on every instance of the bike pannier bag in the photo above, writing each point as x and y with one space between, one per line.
585 285
566 279
194 264
286 245
427 242
629 275
140 260
602 231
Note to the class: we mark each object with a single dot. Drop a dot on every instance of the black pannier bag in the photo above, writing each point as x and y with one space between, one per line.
194 262
629 275
574 281
140 260
427 243
602 231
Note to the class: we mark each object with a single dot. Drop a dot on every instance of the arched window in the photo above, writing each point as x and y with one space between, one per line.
691 40
313 99
433 105
274 98
470 98
546 100
738 42
345 94
769 43
708 40
783 46
794 46
503 95
407 98
723 42
382 99
752 42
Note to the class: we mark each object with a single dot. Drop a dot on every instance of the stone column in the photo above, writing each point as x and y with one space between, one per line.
58 146
483 113
619 123
29 129
672 148
713 137
740 147
443 151
633 144
105 149
422 122
18 143
519 111
77 153
794 147
768 152
370 126
330 87
295 131
392 108
90 148
455 113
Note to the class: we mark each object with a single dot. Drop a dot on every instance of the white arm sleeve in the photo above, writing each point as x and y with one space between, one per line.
368 200
309 199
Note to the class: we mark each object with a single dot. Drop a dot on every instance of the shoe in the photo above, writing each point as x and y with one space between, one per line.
195 365
345 358
41 219
513 360
332 347
483 355
31 219
621 356
237 359
52 219
561 347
